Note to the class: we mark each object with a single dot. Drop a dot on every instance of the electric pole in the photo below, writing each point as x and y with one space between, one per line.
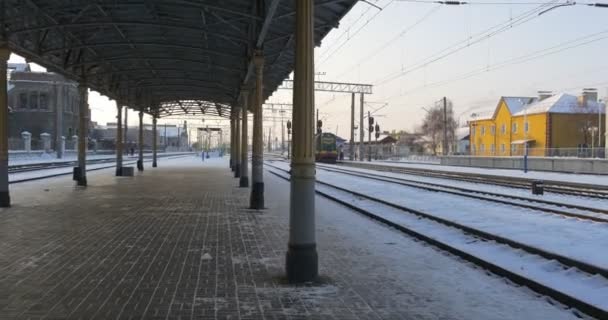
352 127
370 119
445 126
361 131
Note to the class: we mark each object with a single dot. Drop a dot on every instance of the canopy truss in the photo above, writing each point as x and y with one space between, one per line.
163 56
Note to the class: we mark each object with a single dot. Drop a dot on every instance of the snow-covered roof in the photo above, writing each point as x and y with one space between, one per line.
462 133
562 103
482 115
18 67
516 104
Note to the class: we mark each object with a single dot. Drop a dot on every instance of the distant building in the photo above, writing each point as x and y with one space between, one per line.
549 125
41 102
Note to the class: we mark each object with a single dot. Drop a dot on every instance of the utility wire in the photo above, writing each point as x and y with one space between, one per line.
392 41
463 44
567 45
327 49
354 34
490 3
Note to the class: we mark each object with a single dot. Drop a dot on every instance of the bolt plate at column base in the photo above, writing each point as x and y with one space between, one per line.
237 171
5 199
140 165
154 165
82 181
76 173
302 263
244 182
119 171
256 200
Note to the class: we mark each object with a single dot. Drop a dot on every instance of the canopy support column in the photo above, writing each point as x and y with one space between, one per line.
5 199
361 131
232 144
302 259
118 139
140 160
244 182
237 135
256 200
154 142
83 120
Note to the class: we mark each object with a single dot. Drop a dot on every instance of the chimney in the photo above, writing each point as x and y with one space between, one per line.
542 95
589 94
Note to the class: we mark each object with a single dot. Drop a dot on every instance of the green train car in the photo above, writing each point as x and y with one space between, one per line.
326 149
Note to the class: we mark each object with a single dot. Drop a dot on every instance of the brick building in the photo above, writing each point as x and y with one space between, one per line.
41 102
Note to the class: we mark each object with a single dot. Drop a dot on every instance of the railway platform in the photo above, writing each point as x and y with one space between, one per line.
179 242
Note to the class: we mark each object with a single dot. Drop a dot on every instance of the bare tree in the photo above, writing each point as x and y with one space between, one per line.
434 123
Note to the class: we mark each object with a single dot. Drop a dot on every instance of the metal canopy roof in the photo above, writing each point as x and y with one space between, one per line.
175 56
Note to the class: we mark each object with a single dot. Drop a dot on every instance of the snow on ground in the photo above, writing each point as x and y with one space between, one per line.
556 176
592 289
128 161
46 158
570 199
404 274
580 240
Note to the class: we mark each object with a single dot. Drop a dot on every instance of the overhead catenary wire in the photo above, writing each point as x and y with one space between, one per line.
346 31
567 45
323 60
492 3
391 41
465 43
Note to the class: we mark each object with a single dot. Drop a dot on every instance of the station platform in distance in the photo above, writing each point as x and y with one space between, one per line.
178 242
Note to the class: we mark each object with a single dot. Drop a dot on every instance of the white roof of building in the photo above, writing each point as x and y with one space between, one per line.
482 115
462 132
516 104
562 103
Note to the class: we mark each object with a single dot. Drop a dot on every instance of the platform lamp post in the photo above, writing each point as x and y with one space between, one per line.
526 139
370 119
288 139
377 128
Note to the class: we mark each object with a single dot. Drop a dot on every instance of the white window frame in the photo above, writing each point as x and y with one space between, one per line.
514 127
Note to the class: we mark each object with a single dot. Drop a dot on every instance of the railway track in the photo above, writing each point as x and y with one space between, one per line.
578 211
500 255
559 187
69 164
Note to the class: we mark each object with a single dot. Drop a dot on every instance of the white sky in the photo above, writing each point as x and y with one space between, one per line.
368 55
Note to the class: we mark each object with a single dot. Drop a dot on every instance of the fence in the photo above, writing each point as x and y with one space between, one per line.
599 153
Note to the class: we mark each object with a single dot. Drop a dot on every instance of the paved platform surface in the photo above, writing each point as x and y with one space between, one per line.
178 242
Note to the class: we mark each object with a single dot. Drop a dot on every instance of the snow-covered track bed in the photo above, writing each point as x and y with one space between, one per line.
534 203
552 186
63 169
574 283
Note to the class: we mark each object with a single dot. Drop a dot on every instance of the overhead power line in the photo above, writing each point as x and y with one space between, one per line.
392 41
465 43
491 3
567 45
323 60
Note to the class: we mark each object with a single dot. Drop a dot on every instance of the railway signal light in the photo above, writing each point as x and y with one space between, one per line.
319 126
288 126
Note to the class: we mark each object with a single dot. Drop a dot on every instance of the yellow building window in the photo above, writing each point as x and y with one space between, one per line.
526 127
514 127
483 130
493 130
502 148
503 129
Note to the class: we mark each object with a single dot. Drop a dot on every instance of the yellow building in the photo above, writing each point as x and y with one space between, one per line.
550 125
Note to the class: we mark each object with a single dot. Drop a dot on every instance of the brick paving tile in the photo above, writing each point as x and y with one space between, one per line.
178 242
